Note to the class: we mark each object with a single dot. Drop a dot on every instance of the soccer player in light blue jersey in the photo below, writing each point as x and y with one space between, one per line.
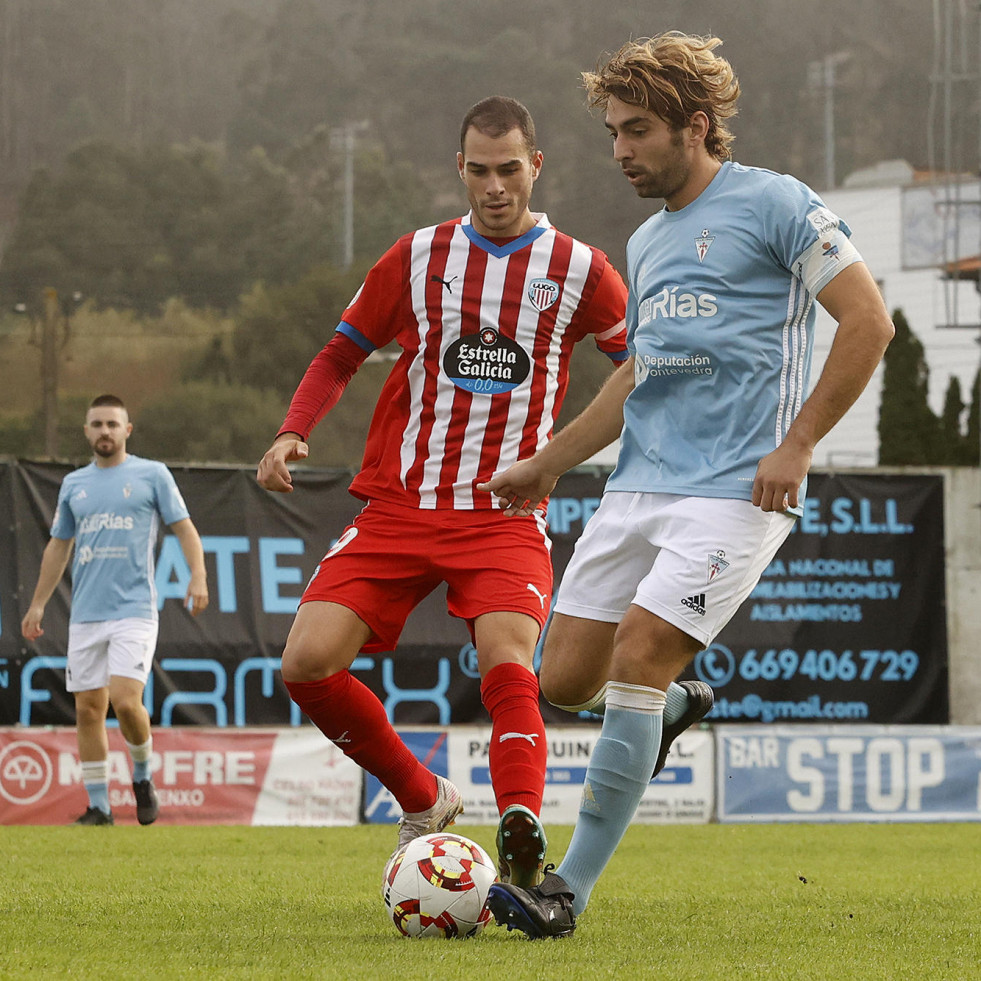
716 425
111 511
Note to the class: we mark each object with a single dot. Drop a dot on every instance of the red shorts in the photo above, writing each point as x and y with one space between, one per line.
390 558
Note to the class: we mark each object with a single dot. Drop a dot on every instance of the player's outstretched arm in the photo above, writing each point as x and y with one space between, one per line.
274 473
196 600
523 486
864 332
53 563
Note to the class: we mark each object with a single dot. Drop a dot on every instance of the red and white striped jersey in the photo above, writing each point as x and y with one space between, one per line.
486 330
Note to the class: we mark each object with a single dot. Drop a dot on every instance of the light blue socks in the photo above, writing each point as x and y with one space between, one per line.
95 777
676 703
141 757
674 708
619 772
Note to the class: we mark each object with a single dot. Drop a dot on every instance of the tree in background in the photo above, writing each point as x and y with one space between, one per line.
125 228
957 447
908 429
951 446
910 433
206 423
972 453
132 228
280 329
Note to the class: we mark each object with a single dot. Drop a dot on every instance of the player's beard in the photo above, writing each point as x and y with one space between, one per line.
105 447
669 178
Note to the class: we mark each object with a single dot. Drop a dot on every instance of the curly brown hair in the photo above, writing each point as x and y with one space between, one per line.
673 75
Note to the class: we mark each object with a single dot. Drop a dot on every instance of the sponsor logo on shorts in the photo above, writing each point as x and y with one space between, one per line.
717 564
696 603
541 596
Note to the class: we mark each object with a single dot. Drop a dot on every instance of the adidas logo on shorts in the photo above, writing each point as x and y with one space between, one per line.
696 603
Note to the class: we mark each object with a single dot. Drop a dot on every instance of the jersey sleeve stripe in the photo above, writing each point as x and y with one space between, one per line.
353 334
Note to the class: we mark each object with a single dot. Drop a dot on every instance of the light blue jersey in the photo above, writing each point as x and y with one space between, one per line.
114 513
720 322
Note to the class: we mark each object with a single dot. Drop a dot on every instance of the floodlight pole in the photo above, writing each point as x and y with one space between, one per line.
821 75
348 140
349 145
50 318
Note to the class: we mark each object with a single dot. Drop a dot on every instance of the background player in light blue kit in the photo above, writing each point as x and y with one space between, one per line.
111 510
717 432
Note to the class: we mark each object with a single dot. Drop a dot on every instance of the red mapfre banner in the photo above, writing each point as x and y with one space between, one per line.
202 776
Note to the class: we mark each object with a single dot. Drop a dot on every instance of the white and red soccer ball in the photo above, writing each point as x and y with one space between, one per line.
437 887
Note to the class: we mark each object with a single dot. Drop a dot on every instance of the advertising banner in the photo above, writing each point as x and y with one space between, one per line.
847 623
202 776
683 792
848 773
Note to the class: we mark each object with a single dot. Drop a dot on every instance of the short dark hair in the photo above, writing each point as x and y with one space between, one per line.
498 115
113 400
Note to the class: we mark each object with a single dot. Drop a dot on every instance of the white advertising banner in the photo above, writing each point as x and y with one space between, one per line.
310 782
682 793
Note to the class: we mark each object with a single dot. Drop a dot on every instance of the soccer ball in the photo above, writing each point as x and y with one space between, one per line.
437 887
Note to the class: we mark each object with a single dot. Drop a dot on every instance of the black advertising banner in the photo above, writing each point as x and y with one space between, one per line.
848 621
222 668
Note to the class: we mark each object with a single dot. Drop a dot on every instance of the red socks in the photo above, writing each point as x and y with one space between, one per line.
518 750
350 715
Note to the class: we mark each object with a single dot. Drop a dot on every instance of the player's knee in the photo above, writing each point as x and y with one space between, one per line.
564 690
490 658
305 662
129 710
593 703
574 701
89 713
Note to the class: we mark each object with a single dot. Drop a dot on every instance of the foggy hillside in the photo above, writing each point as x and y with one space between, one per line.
244 73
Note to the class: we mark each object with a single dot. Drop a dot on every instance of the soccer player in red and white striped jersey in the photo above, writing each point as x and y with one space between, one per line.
486 310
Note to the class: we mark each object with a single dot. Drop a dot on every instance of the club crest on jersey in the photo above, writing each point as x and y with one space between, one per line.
543 293
703 243
717 564
487 363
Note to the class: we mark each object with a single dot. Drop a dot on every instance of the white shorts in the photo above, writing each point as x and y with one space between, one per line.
102 648
690 560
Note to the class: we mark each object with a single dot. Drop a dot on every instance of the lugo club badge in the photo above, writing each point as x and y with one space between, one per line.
487 363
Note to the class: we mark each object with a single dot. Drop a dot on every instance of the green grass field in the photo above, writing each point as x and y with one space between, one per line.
694 902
